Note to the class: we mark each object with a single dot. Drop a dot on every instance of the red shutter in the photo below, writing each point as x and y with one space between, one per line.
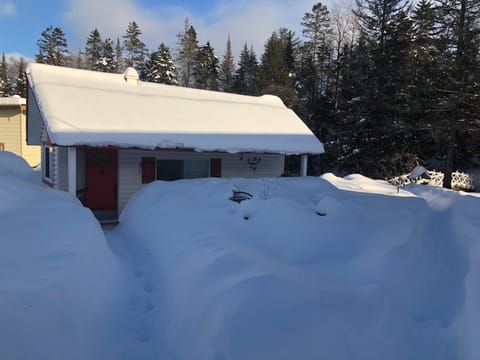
215 167
148 170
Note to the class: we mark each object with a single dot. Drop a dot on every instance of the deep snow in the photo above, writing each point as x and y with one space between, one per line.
188 274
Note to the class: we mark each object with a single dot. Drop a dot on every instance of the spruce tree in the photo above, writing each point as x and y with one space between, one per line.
5 85
160 68
93 50
119 61
277 68
21 79
227 69
246 76
135 48
458 101
52 47
206 68
107 60
387 30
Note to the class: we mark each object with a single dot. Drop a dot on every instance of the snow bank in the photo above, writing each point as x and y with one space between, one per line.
379 276
57 276
13 165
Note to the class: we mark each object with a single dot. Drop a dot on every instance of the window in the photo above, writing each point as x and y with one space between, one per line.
2 146
47 162
169 170
194 169
182 169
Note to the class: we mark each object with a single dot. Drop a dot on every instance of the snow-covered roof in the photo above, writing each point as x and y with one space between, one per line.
15 100
91 108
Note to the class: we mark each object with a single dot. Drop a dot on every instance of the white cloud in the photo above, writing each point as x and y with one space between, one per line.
7 8
251 22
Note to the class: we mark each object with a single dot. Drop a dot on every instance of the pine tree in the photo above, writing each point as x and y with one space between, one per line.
52 47
5 84
246 76
227 69
135 48
93 50
160 68
187 52
21 79
206 68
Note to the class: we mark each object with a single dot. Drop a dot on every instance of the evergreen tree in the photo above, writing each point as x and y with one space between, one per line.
93 50
160 68
135 48
387 29
227 69
314 74
5 85
277 68
458 101
187 52
246 76
119 63
107 61
21 79
52 47
425 57
317 31
206 68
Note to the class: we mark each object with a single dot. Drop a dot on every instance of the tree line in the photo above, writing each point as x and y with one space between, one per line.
386 84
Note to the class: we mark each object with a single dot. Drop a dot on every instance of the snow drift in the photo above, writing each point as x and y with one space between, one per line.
309 268
57 276
379 276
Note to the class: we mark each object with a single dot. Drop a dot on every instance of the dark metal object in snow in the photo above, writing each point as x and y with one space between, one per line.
239 196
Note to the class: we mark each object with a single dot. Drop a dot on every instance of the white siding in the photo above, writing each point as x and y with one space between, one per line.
233 165
60 168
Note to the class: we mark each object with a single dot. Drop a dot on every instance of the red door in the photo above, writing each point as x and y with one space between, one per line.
101 174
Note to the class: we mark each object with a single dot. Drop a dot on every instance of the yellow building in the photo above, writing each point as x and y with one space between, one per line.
13 130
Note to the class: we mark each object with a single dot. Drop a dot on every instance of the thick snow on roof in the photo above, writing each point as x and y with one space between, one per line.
91 108
14 100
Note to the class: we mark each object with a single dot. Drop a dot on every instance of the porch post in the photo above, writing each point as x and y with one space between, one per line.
303 165
72 170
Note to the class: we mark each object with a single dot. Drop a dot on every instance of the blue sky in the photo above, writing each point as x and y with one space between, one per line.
22 21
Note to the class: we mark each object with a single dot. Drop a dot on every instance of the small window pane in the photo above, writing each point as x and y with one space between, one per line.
47 162
169 170
196 169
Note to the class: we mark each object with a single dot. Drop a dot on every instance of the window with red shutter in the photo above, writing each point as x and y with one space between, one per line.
148 170
216 167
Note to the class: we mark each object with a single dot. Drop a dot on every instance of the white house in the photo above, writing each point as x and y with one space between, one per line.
104 135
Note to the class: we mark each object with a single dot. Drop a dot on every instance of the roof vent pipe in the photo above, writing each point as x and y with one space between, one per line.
131 76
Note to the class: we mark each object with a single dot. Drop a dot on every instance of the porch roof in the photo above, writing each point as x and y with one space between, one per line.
81 107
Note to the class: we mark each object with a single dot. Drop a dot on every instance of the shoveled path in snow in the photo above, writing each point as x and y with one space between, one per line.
137 309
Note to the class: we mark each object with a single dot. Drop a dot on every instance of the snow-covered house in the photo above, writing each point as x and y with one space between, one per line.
104 135
13 129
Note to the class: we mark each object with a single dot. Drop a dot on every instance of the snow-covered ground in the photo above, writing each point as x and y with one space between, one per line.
310 268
